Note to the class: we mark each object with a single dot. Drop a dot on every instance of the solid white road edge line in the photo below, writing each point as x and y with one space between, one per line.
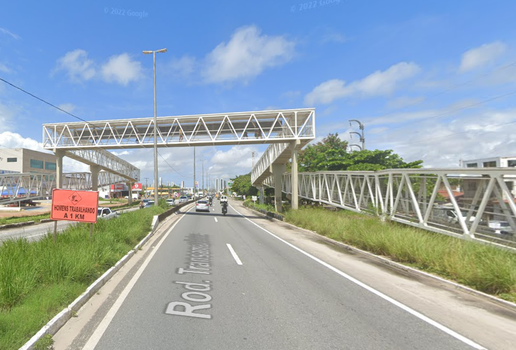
374 291
235 256
95 337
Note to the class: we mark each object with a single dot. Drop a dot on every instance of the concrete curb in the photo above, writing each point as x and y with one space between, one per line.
407 269
17 224
61 318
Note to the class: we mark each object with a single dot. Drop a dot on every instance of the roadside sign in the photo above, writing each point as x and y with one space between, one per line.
254 198
74 205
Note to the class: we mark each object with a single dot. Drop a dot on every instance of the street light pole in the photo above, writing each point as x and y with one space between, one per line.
155 127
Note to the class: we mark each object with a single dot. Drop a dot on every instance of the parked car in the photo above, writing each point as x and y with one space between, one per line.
106 213
202 205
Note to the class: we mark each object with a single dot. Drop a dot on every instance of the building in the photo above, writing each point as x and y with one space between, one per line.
493 162
22 160
471 186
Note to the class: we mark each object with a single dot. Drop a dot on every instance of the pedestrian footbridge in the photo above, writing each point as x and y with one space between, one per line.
287 131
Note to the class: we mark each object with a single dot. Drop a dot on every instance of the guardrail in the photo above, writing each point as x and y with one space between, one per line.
476 204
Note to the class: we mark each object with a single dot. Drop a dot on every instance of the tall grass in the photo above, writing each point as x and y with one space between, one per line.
485 268
39 279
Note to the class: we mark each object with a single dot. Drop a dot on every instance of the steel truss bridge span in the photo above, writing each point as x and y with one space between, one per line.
258 127
476 204
17 187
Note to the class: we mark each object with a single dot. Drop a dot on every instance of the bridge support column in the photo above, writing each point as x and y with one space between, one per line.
59 167
295 176
262 194
130 196
277 172
95 170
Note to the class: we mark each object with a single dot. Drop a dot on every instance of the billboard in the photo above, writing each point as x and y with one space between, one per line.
74 205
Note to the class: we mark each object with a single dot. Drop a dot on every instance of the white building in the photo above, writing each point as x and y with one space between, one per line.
22 160
493 162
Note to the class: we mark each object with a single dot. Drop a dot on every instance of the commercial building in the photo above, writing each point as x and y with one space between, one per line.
493 162
22 160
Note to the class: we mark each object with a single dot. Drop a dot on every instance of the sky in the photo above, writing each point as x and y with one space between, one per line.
431 80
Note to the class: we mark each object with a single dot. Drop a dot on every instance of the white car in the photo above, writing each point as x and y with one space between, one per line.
202 205
106 213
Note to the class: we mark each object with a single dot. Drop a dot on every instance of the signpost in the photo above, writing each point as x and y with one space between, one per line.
74 205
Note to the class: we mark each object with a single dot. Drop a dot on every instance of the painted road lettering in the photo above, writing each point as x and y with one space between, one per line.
198 264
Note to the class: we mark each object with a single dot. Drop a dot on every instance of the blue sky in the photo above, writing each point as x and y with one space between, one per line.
431 80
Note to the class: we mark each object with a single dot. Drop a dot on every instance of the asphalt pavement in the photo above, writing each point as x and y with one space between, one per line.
245 282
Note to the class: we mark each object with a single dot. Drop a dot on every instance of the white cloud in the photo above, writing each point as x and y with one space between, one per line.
10 139
122 69
183 66
481 56
236 161
6 32
3 68
377 83
7 116
69 107
77 65
442 144
246 55
404 101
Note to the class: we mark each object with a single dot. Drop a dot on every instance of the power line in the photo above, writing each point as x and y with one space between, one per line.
42 100
171 167
453 87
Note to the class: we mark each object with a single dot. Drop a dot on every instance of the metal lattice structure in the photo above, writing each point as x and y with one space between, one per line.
16 187
466 203
106 161
258 127
82 181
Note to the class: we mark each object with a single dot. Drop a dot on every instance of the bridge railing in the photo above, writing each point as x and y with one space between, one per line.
465 203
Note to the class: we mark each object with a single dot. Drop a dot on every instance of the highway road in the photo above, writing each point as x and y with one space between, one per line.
208 281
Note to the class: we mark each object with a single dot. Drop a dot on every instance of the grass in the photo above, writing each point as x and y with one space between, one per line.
485 268
39 279
12 220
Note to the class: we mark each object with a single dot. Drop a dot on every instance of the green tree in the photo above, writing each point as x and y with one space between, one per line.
331 154
242 185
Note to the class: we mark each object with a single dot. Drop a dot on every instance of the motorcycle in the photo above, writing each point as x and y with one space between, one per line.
224 209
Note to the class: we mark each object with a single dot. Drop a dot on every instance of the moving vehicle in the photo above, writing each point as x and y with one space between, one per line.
171 201
223 198
106 213
183 199
224 208
202 205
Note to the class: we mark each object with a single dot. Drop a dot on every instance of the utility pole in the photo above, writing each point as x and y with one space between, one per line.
361 134
203 175
193 172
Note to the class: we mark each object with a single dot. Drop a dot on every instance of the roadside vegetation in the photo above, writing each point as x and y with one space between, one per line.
39 279
13 219
484 268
